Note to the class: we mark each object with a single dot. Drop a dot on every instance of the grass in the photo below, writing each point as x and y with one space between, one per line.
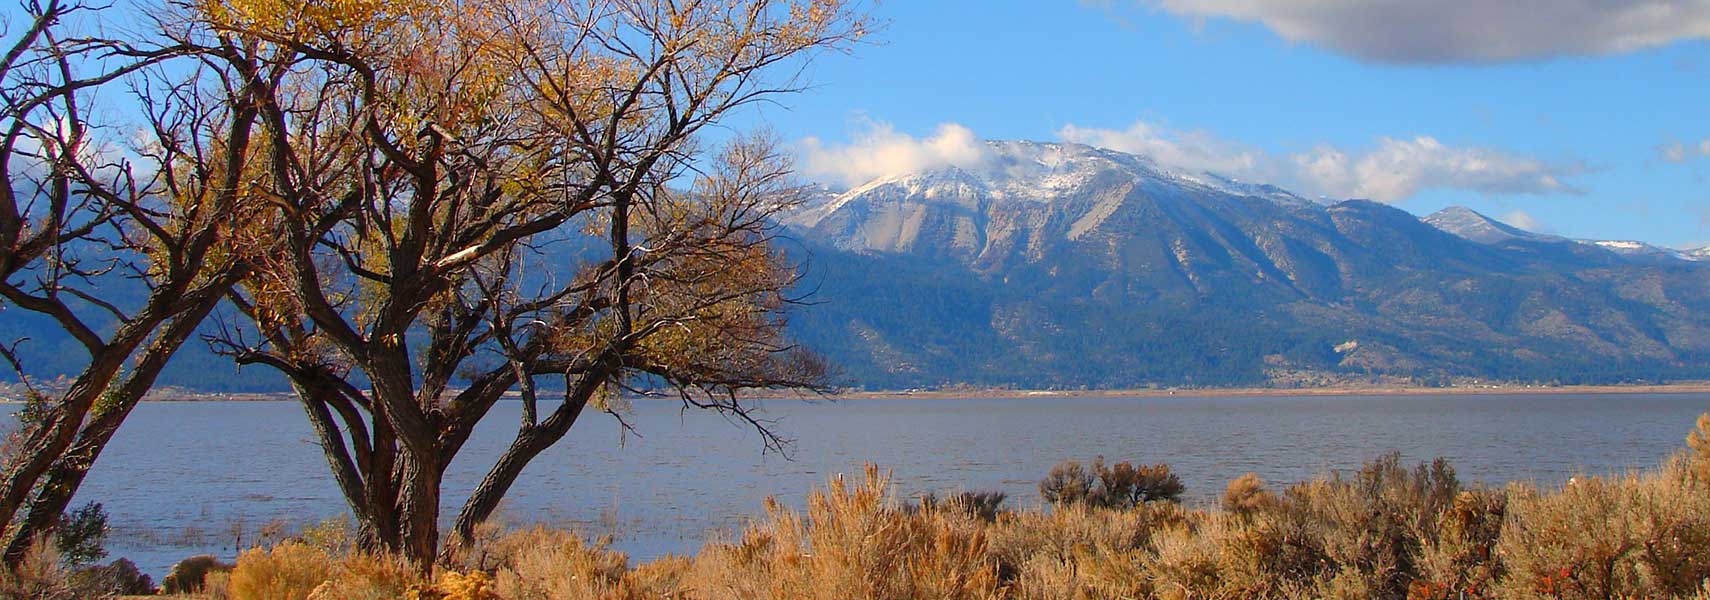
1387 531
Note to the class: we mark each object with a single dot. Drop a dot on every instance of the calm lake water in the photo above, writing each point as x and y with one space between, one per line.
183 478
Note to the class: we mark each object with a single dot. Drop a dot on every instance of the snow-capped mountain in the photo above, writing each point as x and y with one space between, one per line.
1472 225
1024 172
1048 264
1635 249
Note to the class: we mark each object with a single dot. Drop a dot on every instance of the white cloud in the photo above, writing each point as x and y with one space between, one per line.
1398 169
1190 150
1680 152
1393 170
1523 220
1450 31
1674 153
881 150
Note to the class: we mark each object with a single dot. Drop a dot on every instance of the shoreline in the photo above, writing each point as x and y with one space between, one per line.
1695 387
1692 387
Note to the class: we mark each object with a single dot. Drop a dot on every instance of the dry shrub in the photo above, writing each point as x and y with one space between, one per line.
984 506
190 575
546 564
1067 483
1362 536
1224 555
854 542
457 585
332 534
1121 485
1078 551
1184 563
289 571
217 585
1126 485
40 576
1460 560
1640 536
1087 574
1698 451
1072 532
119 578
1384 532
1246 495
360 576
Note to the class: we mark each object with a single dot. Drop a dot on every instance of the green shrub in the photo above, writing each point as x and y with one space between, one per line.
82 535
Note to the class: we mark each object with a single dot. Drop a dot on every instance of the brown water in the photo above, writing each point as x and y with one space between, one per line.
182 478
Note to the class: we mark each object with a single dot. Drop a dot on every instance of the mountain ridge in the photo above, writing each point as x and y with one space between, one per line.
1065 266
1119 272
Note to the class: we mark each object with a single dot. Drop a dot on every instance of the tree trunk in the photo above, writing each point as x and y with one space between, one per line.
485 499
381 490
67 472
49 440
418 517
529 443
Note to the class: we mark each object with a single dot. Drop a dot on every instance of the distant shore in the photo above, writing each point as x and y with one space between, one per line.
1692 387
1695 387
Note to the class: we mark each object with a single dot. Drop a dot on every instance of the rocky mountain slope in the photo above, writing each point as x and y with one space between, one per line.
1065 265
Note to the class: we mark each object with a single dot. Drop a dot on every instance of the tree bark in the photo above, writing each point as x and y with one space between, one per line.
529 443
418 538
67 473
49 440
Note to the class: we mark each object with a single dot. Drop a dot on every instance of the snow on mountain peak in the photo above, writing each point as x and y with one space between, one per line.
1027 171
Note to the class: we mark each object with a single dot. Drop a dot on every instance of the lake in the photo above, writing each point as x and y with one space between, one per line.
184 478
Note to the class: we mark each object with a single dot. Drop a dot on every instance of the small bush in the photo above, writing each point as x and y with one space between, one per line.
360 576
289 571
188 576
1629 537
1246 495
1127 485
454 585
1698 451
82 535
1460 560
854 542
984 506
543 564
1067 483
1122 485
121 578
41 575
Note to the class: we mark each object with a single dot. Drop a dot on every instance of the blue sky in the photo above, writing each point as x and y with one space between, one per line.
1577 117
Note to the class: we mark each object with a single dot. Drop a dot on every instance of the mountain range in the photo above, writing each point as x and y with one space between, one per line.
1060 265
1044 265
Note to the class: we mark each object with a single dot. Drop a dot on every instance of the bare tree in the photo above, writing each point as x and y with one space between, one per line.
479 198
82 218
